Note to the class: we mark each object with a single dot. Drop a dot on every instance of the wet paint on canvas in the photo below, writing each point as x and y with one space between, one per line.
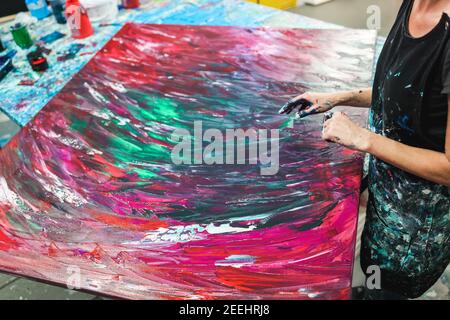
90 197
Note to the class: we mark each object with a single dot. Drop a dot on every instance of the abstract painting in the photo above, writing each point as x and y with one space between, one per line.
90 196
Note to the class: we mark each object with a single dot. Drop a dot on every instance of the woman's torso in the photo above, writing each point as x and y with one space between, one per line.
407 231
407 103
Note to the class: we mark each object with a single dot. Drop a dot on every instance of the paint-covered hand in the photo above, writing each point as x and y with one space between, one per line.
341 129
310 103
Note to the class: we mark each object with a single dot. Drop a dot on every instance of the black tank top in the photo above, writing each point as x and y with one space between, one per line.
410 102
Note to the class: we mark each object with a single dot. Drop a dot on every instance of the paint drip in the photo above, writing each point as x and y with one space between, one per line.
72 52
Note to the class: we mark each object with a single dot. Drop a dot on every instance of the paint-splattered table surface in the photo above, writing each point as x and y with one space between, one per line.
24 92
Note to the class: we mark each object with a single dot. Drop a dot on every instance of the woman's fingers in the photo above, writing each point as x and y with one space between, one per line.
325 128
341 129
299 102
327 116
287 108
308 104
304 96
308 111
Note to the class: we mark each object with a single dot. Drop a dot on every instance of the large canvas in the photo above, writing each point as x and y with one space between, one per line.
90 195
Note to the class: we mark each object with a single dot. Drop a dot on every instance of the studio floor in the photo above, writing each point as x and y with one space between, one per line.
349 13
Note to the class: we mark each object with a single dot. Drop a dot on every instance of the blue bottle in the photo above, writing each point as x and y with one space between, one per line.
38 8
58 8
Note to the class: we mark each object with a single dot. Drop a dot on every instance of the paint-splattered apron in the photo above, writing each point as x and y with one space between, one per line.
407 231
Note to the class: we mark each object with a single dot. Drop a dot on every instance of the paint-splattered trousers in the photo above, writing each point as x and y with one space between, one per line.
407 230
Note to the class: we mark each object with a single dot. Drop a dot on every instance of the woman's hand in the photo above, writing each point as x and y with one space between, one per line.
341 129
311 103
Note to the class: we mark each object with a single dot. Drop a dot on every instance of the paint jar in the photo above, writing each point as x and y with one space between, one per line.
58 8
21 36
37 61
78 20
101 11
131 4
38 8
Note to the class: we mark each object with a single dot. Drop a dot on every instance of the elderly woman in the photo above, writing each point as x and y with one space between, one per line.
407 230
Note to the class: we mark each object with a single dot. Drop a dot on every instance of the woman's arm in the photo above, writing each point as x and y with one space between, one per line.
322 102
428 164
360 98
447 138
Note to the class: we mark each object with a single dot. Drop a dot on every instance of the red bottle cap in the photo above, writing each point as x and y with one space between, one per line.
130 4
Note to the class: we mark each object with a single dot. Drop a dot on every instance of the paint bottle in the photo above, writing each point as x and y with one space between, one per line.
21 36
38 8
37 61
78 20
58 10
131 4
